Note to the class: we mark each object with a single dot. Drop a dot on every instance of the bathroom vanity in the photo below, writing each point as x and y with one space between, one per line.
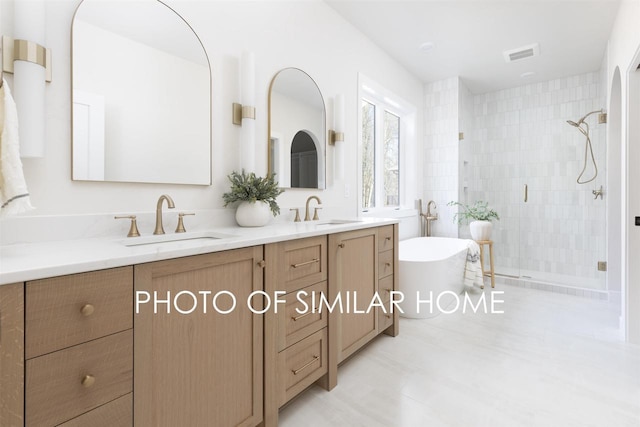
83 346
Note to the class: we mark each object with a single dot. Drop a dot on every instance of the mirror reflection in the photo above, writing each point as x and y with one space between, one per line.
141 96
297 130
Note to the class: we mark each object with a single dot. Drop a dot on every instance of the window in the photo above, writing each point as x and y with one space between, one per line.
380 156
388 178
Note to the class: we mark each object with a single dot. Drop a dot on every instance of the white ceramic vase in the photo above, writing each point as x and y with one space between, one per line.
253 214
480 230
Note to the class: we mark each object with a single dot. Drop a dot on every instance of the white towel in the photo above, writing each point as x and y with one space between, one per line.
472 268
14 195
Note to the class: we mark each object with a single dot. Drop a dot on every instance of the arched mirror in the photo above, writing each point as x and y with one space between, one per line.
141 102
297 130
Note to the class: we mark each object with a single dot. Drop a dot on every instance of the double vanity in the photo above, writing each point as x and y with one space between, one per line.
214 328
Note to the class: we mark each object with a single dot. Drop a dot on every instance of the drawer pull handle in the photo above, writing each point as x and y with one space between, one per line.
87 310
387 264
387 290
262 263
388 316
300 369
296 318
341 245
313 261
387 238
88 381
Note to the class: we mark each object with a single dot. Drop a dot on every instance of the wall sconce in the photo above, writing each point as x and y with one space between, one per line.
337 135
30 62
246 110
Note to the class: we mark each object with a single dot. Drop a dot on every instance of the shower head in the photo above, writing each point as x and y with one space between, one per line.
572 123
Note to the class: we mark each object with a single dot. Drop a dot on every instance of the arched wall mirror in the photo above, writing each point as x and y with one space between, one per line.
141 100
297 130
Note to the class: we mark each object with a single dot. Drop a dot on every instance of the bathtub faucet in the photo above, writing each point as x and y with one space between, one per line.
429 217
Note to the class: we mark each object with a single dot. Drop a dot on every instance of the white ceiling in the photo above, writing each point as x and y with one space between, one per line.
470 36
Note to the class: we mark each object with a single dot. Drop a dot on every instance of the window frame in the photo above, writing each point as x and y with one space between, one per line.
386 101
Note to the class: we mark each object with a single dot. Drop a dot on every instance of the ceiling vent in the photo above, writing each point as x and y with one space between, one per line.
521 52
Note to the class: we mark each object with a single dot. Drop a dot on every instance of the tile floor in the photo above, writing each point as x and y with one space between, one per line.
550 360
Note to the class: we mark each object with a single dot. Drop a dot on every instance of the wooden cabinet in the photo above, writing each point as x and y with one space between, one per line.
353 263
296 336
73 348
362 263
12 355
201 368
79 345
388 319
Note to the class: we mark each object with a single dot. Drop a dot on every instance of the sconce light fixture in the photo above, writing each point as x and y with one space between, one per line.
30 62
246 110
337 135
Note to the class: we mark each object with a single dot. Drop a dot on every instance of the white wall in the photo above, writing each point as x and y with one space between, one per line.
308 35
623 51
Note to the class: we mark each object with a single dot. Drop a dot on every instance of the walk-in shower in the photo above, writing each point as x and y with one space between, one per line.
519 158
583 127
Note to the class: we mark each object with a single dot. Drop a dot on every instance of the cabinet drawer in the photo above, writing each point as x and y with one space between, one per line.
302 262
385 238
118 413
70 382
69 310
385 264
384 319
301 365
293 326
385 286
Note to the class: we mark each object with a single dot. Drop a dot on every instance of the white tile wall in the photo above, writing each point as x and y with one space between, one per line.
440 166
521 138
515 137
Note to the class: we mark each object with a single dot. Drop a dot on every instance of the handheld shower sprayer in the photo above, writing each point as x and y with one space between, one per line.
582 120
588 149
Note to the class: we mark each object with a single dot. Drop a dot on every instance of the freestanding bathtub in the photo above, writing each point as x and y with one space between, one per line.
431 268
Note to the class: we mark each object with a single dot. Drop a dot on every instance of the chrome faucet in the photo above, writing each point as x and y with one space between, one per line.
306 212
159 228
429 217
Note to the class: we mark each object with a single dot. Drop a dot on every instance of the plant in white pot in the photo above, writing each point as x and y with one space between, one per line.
256 198
479 216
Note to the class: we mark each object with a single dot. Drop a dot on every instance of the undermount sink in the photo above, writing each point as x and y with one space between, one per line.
174 237
338 222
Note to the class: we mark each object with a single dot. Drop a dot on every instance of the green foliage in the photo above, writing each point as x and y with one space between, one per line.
251 188
479 211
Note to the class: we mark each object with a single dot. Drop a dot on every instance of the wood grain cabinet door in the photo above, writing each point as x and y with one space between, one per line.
353 274
197 368
11 354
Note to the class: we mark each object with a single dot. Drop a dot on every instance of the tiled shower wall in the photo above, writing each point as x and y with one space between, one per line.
440 166
467 126
521 137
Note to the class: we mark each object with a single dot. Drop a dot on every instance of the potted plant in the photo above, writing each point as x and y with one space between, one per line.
479 216
256 197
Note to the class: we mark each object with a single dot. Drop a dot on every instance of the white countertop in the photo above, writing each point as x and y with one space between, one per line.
31 261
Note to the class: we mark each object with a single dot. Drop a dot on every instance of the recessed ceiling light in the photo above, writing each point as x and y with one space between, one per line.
426 46
527 74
